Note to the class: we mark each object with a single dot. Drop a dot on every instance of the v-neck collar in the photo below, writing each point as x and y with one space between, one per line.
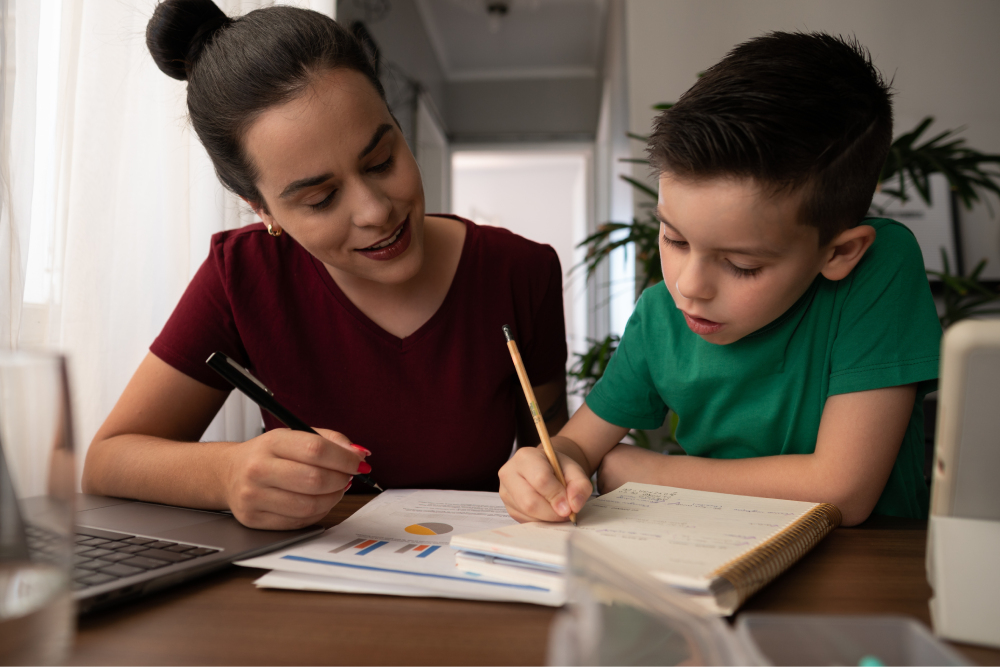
403 344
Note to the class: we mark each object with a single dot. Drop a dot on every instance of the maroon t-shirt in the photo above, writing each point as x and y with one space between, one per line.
436 408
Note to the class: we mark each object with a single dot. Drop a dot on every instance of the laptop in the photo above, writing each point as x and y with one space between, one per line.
125 549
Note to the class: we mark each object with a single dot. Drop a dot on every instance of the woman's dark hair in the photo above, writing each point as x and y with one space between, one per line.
236 68
787 110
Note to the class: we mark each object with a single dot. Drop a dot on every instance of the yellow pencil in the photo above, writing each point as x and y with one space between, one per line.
536 414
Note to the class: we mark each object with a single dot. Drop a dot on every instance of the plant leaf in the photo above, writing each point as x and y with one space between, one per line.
638 185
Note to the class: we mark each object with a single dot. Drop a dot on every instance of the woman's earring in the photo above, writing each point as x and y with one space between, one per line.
273 231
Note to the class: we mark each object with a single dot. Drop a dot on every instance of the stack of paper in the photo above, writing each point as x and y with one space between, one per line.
717 548
398 544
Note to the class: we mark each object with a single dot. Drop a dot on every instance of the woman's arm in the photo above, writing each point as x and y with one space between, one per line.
551 398
147 449
859 438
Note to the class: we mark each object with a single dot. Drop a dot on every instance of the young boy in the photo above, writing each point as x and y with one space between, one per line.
794 339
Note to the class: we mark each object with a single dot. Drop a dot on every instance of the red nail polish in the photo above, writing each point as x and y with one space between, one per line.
361 449
348 486
364 468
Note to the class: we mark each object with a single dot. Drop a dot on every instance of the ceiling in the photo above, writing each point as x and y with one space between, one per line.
531 39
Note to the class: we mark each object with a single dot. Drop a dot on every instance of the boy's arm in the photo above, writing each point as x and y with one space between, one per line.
859 437
530 489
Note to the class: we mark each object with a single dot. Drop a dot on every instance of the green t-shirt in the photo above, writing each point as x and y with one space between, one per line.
764 394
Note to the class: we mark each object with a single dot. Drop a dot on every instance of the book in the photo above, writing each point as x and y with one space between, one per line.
717 548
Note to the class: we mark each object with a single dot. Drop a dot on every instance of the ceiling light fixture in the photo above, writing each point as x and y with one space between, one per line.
496 11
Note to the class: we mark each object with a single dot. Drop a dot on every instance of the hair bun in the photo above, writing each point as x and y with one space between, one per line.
179 30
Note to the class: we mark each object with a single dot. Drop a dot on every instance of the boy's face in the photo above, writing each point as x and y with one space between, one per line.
733 257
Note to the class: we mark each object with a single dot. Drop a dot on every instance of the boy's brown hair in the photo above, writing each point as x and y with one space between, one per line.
790 111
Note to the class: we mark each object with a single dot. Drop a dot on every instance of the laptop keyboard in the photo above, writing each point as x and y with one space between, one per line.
102 556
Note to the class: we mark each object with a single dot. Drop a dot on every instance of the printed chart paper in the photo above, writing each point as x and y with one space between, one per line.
398 544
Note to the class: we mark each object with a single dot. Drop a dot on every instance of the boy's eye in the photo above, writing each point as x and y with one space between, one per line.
319 206
740 272
671 242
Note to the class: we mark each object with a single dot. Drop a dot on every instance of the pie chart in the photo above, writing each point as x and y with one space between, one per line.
429 529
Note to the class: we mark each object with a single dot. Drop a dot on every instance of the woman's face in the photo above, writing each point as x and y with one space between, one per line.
336 174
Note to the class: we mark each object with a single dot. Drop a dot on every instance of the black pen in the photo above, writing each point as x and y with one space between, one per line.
254 389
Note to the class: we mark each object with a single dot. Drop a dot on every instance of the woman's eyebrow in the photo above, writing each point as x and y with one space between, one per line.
302 183
377 137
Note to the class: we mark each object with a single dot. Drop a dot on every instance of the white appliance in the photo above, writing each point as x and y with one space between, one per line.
963 541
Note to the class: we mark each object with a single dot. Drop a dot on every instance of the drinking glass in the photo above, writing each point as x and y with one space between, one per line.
37 484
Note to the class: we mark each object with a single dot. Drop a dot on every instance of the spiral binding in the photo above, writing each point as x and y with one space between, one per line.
751 571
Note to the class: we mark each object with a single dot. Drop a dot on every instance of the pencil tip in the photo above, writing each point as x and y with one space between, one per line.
507 334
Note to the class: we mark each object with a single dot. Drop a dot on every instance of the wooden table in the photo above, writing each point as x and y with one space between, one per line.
224 619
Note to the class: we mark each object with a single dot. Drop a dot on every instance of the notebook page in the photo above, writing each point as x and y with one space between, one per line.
679 535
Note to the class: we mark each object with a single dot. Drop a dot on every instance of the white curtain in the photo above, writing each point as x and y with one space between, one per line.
135 203
19 56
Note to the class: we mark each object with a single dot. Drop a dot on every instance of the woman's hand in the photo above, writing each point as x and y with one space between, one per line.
530 490
286 479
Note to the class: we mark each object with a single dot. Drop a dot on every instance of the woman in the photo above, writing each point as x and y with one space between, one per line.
359 313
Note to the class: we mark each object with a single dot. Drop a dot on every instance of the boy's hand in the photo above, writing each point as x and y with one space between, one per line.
530 490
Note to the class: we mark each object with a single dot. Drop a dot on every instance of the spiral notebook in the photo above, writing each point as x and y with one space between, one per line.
717 548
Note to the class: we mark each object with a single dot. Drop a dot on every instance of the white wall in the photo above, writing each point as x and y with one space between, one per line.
943 57
612 296
540 193
434 159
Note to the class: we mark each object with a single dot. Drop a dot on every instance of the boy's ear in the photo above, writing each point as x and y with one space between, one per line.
846 250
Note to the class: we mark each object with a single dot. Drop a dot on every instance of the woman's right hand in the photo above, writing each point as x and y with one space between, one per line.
530 490
286 479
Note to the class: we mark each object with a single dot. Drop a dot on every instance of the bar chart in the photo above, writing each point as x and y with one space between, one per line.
363 547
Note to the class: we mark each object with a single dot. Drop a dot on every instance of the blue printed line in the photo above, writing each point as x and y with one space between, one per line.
428 552
368 550
417 574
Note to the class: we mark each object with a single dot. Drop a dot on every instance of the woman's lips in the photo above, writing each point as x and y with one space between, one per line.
701 326
394 249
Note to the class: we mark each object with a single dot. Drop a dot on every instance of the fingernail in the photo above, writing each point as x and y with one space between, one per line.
562 508
364 468
348 486
361 449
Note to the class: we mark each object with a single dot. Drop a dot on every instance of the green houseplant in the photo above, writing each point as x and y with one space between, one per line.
910 163
964 296
966 169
